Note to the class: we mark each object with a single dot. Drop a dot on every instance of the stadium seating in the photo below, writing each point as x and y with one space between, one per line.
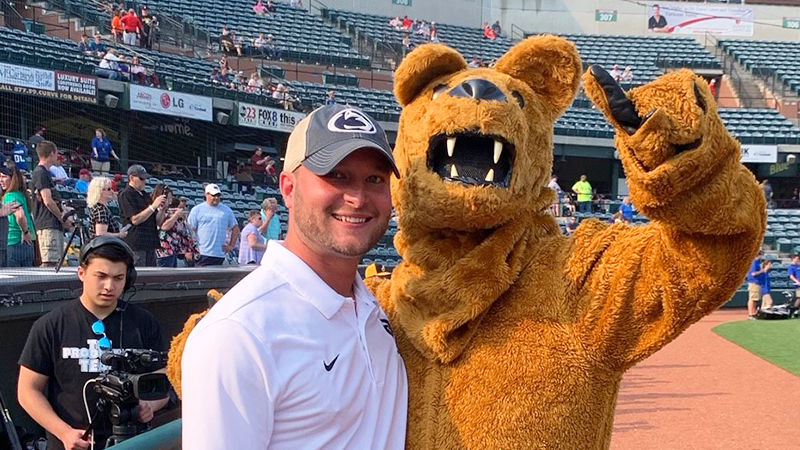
779 58
302 36
182 73
469 41
749 125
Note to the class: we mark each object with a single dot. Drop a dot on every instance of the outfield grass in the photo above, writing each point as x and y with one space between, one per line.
777 341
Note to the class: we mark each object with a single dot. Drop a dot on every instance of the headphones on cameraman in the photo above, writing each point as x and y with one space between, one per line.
103 240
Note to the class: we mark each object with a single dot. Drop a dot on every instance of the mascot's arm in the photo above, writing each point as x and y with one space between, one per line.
642 285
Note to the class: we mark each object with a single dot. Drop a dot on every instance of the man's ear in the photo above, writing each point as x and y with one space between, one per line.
81 273
549 65
423 65
287 183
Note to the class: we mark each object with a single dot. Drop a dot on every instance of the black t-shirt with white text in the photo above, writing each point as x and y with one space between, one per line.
43 218
62 346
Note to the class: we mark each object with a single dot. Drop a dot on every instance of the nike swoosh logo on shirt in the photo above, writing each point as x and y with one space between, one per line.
328 367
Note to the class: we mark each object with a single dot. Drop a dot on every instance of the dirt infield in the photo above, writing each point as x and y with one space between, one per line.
704 392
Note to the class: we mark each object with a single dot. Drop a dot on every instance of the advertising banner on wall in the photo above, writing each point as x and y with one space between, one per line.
76 87
171 103
267 118
46 83
759 153
682 18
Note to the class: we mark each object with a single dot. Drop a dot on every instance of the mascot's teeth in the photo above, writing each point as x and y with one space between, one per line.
453 171
498 150
490 175
451 145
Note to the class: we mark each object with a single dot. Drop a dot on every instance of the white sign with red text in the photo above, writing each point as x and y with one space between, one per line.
170 103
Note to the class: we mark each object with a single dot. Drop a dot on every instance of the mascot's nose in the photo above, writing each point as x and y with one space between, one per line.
479 89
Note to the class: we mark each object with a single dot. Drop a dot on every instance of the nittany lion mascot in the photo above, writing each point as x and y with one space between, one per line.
514 335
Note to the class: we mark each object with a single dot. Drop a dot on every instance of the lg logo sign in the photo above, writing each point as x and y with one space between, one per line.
166 101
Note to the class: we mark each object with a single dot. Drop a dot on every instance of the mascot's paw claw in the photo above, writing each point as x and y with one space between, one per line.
677 118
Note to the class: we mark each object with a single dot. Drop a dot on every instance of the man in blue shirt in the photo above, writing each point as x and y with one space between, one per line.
97 45
211 222
627 210
754 281
794 277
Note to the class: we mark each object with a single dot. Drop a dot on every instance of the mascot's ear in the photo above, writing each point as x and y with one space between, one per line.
423 65
550 65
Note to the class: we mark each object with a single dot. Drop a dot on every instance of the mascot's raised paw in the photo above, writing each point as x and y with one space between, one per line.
656 121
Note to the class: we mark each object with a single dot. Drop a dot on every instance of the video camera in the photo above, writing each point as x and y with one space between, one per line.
125 383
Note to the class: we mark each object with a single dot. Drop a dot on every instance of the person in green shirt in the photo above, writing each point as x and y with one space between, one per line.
20 224
584 191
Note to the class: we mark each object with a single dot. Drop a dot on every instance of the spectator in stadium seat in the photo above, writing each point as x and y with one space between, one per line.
116 27
296 3
271 7
626 208
259 44
259 8
131 26
272 48
58 173
252 244
19 229
424 29
406 41
572 225
657 22
496 28
109 66
223 64
144 215
141 75
627 75
102 152
712 85
396 23
270 226
615 73
211 222
406 23
83 45
97 45
84 178
488 33
331 100
47 213
101 220
474 63
226 42
258 165
255 83
217 76
583 190
434 37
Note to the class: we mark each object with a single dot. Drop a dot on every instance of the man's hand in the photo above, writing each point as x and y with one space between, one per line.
158 201
72 440
8 208
145 412
226 248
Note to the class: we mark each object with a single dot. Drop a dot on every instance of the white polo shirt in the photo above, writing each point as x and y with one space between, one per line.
283 361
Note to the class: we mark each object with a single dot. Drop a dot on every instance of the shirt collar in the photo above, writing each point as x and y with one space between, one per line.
305 281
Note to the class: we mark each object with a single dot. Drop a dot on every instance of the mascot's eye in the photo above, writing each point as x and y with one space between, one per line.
519 98
438 90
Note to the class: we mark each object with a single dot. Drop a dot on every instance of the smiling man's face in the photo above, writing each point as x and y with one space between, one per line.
345 212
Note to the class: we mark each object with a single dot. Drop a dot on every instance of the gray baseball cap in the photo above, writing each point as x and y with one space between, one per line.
326 136
138 171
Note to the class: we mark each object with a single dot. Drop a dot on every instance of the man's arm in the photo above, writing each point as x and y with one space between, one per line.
49 203
234 235
268 213
30 394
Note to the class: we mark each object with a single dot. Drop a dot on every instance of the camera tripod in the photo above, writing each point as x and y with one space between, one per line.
80 230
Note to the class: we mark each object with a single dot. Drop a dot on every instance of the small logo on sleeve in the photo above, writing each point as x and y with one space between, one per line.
328 366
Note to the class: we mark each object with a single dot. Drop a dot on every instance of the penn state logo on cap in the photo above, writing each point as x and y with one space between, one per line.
351 121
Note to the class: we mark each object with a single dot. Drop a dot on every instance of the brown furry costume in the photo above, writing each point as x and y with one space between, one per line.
515 336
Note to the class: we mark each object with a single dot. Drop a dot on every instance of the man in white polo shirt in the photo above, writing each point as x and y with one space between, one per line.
299 354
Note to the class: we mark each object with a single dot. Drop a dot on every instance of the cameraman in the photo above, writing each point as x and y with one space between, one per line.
62 353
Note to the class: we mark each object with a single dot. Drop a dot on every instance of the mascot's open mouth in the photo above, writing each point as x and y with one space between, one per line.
472 158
